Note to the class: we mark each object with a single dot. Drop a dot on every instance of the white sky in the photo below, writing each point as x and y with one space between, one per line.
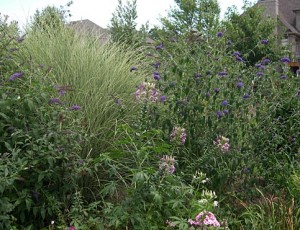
98 11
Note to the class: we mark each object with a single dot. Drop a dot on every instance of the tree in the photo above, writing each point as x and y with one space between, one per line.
123 27
50 17
251 33
198 15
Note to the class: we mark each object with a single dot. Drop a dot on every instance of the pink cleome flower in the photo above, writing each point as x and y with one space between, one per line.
205 218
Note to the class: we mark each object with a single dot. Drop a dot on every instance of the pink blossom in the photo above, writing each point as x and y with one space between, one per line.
205 218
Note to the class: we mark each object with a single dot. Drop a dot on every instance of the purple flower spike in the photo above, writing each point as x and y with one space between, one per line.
219 114
259 74
159 47
197 75
16 76
156 76
220 34
240 84
226 111
163 98
75 107
266 61
239 59
285 60
246 96
133 68
54 101
156 65
236 53
225 103
223 73
264 42
207 94
216 90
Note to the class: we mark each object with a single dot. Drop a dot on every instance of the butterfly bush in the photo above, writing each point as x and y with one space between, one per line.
203 219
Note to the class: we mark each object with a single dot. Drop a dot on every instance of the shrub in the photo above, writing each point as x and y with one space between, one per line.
40 142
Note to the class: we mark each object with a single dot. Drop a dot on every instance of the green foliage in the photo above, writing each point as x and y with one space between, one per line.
98 74
123 26
188 16
140 192
247 30
40 142
50 18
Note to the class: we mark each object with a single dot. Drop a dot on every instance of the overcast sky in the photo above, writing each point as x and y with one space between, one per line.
98 11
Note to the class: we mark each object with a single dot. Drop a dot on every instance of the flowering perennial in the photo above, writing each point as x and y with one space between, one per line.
222 143
146 91
205 218
178 134
167 164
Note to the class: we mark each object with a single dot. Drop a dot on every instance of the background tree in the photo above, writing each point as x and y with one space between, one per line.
50 17
250 31
123 26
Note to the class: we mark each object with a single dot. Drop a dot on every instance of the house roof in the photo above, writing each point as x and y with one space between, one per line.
285 13
90 28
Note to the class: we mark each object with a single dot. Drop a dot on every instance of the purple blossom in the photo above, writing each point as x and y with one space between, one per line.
264 42
163 98
54 101
197 75
156 76
258 65
15 76
133 68
223 73
226 112
266 61
220 34
216 90
225 103
219 114
298 72
75 107
240 84
284 77
259 74
285 60
156 65
262 67
207 94
236 53
246 96
159 47
239 59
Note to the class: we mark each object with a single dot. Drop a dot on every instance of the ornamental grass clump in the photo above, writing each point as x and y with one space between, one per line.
97 74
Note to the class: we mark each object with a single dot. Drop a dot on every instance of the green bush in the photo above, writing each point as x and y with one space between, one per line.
40 142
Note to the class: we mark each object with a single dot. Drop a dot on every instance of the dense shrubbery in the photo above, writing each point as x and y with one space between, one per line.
40 142
209 140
